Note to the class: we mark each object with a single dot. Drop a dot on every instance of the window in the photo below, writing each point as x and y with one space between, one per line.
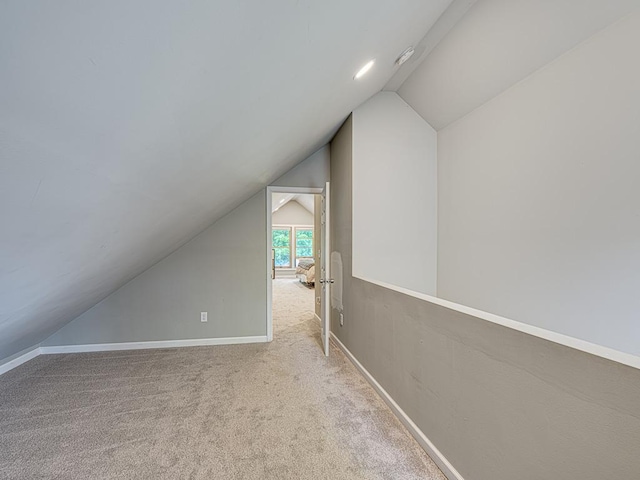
282 246
290 244
304 242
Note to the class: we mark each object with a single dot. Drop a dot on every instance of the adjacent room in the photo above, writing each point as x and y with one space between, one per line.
292 227
295 250
363 240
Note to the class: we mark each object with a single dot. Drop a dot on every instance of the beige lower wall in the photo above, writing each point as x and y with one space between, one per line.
498 403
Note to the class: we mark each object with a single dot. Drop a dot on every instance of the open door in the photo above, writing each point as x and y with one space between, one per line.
325 270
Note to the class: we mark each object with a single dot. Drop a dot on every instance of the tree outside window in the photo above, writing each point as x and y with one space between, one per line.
282 246
304 242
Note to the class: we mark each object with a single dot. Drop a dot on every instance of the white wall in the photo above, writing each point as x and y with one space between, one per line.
394 195
539 200
292 213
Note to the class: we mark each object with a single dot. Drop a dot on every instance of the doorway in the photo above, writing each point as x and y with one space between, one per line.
297 249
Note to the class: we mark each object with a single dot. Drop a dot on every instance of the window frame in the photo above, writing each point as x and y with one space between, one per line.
293 258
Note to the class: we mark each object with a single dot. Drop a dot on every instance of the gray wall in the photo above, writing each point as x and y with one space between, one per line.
312 172
215 272
342 215
498 403
221 271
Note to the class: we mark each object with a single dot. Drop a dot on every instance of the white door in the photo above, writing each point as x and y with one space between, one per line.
325 270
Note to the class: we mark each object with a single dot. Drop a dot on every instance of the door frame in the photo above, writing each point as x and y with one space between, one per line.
269 191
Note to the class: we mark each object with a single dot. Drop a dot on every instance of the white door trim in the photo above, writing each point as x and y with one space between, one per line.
269 213
325 324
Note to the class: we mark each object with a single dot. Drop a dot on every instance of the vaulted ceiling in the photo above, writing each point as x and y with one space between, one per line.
126 127
496 44
305 200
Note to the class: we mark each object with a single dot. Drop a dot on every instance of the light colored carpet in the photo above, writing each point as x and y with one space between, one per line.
266 411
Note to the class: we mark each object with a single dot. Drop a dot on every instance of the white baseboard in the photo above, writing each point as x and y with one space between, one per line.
449 471
16 362
107 347
317 318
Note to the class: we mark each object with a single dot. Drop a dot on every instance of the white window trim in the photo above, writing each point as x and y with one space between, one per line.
292 253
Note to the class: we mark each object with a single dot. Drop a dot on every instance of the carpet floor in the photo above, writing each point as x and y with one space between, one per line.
264 411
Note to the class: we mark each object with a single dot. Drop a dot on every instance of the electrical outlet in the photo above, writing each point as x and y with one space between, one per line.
342 319
318 300
203 316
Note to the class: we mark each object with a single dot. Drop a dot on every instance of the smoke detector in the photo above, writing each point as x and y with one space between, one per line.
404 56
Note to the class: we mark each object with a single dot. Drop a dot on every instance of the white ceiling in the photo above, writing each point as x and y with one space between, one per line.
307 201
279 200
495 45
128 127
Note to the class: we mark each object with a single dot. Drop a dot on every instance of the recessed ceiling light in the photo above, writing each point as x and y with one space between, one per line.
364 69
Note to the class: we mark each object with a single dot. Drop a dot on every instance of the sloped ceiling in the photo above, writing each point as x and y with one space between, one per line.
126 127
279 200
307 201
496 44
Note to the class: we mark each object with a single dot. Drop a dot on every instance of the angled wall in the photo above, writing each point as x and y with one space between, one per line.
395 195
221 271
